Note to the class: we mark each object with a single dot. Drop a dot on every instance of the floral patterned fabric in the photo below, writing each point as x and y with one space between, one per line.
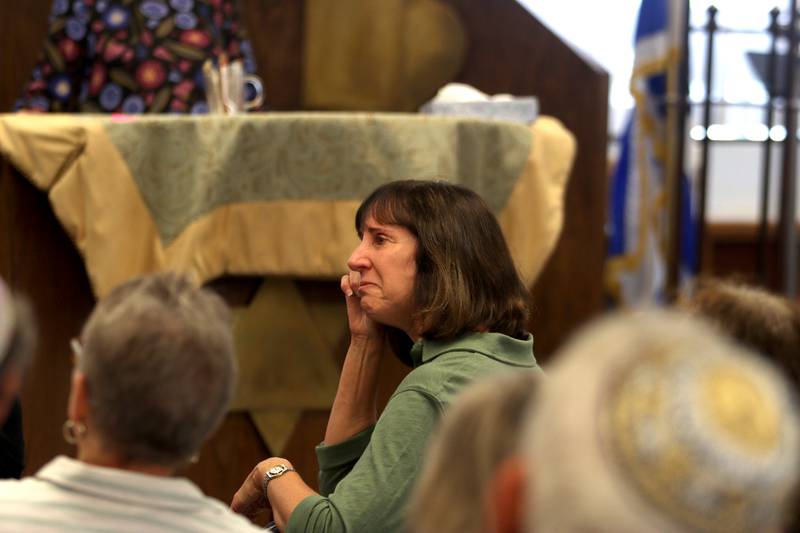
132 56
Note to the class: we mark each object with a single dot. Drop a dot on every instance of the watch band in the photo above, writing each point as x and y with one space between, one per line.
274 472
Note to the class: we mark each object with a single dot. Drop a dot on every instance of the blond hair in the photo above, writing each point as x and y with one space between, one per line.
479 431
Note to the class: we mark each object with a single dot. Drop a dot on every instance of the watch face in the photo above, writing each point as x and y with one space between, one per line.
276 470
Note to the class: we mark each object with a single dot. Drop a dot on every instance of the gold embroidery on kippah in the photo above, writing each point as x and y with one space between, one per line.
700 438
739 409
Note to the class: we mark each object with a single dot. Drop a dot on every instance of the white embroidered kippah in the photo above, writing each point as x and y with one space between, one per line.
651 421
703 437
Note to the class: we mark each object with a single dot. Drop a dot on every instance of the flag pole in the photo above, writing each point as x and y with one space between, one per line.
680 107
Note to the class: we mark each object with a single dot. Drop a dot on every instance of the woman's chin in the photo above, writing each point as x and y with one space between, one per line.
389 323
380 318
382 315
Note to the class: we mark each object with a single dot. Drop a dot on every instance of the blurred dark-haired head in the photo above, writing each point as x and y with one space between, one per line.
762 321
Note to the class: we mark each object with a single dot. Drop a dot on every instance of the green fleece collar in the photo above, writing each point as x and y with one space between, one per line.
497 346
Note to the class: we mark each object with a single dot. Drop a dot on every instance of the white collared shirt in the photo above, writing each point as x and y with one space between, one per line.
68 495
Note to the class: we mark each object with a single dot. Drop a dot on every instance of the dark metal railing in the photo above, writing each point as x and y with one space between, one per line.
711 29
787 225
766 169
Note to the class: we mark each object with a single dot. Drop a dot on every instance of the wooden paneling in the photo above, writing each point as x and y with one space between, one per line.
6 235
732 250
510 51
275 30
228 456
41 262
23 26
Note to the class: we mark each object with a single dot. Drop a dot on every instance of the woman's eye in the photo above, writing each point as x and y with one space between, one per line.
379 239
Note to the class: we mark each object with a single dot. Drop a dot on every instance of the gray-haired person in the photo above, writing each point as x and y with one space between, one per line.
154 374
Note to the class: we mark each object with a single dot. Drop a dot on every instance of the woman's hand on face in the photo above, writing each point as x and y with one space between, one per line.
250 499
360 324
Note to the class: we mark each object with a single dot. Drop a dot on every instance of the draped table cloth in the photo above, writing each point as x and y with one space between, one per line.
274 195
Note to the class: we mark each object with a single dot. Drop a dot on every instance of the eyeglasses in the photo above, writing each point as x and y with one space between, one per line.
77 349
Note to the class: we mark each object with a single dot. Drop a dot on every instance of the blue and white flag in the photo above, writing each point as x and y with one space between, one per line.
639 223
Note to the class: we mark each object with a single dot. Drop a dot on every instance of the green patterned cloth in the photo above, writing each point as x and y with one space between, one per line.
187 166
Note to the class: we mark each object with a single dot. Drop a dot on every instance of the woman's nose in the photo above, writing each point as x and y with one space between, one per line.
358 260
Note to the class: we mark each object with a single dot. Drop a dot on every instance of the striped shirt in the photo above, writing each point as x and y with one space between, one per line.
68 495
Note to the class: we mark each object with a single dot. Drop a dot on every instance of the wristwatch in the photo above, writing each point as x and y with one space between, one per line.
275 472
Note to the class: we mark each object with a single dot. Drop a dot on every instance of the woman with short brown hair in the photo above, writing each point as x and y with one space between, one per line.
466 279
433 268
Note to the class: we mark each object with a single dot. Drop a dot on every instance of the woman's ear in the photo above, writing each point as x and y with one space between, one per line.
507 497
78 406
